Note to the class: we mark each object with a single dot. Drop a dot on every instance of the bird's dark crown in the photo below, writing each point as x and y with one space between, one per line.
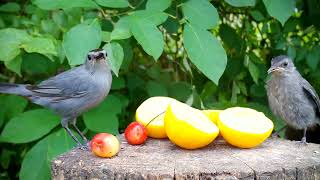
280 58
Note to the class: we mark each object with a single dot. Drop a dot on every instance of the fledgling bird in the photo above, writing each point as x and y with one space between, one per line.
72 92
291 97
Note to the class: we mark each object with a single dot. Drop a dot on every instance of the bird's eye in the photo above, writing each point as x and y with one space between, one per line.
285 64
89 57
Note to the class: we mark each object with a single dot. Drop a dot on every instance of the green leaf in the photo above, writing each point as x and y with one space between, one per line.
241 3
231 39
158 5
171 25
106 36
14 65
235 92
39 157
40 45
10 7
79 40
113 3
12 105
36 158
291 52
5 157
58 143
118 83
156 89
156 17
205 51
242 87
10 41
121 29
62 4
128 54
31 126
36 64
104 117
180 91
200 13
148 36
115 55
257 15
313 58
281 10
254 71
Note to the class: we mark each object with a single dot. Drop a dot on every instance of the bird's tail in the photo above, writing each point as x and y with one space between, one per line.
18 89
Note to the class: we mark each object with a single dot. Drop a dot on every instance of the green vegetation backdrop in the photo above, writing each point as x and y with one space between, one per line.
209 54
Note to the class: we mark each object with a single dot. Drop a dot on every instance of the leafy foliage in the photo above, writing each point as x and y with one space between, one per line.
209 54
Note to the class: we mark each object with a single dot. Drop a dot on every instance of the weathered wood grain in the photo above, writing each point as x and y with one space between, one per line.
160 159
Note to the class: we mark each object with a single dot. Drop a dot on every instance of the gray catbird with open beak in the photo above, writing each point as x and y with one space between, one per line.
291 97
72 92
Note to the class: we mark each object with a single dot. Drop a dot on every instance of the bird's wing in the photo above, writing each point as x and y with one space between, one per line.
309 90
69 84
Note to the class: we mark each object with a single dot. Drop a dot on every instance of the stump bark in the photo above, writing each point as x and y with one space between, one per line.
160 159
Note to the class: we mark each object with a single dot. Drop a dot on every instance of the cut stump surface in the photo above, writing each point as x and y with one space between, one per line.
160 159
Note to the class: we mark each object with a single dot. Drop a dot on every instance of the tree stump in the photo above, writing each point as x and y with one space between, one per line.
160 159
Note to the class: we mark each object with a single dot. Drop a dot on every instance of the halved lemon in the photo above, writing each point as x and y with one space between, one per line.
152 111
244 127
187 127
212 114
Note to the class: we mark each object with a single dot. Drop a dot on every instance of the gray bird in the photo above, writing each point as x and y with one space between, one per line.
291 97
72 92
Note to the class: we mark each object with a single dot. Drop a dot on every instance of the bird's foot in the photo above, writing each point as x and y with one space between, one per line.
84 147
303 142
275 135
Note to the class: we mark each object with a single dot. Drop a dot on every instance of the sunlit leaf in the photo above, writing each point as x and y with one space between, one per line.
241 3
39 157
155 17
148 36
103 118
10 41
158 5
113 3
79 40
121 29
10 7
62 4
200 13
31 125
115 56
14 65
281 10
205 51
40 45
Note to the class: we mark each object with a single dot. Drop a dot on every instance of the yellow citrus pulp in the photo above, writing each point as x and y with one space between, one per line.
151 108
187 127
213 115
244 127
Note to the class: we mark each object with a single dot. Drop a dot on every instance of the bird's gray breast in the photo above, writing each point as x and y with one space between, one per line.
288 101
101 84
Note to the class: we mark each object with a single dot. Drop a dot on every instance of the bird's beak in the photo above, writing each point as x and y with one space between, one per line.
275 69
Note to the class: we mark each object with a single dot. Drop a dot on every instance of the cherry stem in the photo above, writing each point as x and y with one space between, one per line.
155 118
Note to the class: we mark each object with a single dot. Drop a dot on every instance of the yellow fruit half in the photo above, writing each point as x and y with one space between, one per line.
187 127
153 107
244 127
213 115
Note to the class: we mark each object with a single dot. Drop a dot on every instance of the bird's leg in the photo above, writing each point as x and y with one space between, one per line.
73 122
276 133
64 123
304 138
